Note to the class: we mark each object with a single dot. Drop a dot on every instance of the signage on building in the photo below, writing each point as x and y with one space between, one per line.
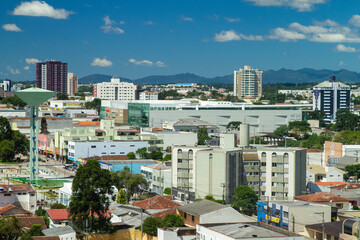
273 219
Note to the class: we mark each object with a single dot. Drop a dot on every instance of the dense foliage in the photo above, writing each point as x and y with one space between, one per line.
14 101
151 224
245 200
94 104
202 136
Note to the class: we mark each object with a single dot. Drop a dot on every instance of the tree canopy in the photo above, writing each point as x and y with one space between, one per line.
345 120
245 200
151 224
90 200
9 228
62 96
202 136
43 126
235 125
15 101
94 104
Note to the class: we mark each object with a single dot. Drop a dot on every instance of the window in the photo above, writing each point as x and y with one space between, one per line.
93 146
331 175
132 145
185 215
286 155
7 194
339 205
179 160
263 184
256 164
274 164
273 174
286 214
263 154
179 151
112 152
190 151
273 154
263 164
122 152
210 156
103 153
192 218
286 165
273 184
273 194
112 146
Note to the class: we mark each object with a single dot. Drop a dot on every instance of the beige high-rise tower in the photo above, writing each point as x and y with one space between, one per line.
248 84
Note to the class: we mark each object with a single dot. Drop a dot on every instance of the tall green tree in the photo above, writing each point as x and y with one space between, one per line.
43 128
121 196
35 230
7 151
131 156
90 200
5 129
151 224
353 171
142 152
9 228
172 220
245 200
202 136
15 101
94 104
62 96
22 144
345 120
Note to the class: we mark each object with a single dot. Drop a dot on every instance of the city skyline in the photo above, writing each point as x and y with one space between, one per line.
163 38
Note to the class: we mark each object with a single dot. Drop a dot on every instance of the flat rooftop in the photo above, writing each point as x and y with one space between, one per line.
297 203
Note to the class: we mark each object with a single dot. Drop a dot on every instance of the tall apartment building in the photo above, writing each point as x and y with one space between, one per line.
52 75
72 83
147 95
114 90
331 96
248 83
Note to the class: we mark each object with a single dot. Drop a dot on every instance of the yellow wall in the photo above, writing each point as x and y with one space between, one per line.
127 234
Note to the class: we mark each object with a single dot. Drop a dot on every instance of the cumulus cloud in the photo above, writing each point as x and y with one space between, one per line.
11 27
12 70
300 5
26 68
122 22
355 20
109 28
231 35
40 9
186 19
101 62
150 22
343 48
147 63
285 35
232 19
31 60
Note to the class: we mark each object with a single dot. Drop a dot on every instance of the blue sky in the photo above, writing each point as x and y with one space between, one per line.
210 38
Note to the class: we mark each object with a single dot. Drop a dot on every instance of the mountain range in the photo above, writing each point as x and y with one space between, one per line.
304 75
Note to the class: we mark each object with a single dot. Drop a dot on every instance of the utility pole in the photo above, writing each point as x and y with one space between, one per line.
293 221
223 195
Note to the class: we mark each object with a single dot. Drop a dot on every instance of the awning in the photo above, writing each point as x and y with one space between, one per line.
49 152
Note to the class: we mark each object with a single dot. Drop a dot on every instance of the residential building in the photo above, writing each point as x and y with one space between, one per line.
248 83
332 230
67 104
156 204
52 75
282 172
155 141
86 149
331 96
316 173
325 186
350 229
243 230
206 211
176 233
114 90
292 215
27 222
64 233
58 217
147 95
6 85
22 195
72 83
11 210
158 176
193 124
252 173
65 193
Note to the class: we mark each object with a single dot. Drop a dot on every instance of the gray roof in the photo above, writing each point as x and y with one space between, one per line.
58 231
329 84
245 230
344 161
193 122
201 207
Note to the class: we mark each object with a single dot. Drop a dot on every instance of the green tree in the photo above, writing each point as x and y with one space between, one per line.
202 136
348 137
235 125
353 171
142 152
345 120
57 206
22 144
167 157
281 131
317 115
43 129
299 128
62 96
15 101
167 191
35 230
7 151
9 228
156 155
210 197
94 104
121 196
245 200
40 211
151 224
5 129
131 155
90 200
172 220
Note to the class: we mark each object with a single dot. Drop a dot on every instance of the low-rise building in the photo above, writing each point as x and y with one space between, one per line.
206 211
243 230
58 218
65 193
323 174
156 204
325 187
22 195
147 95
176 233
292 215
332 230
158 176
64 233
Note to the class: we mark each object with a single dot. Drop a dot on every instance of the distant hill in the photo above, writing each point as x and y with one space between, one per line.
304 75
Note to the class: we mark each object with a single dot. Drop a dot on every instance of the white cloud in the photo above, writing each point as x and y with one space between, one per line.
343 48
150 22
31 60
12 70
101 62
109 29
147 63
11 27
122 22
231 35
232 19
40 9
341 63
300 5
26 68
187 19
355 20
285 35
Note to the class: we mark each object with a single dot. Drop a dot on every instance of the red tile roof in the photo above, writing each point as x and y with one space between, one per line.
164 213
17 188
322 197
58 214
157 202
9 207
27 222
348 186
329 184
46 238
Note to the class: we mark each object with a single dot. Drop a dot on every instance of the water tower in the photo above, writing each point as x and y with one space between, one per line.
34 97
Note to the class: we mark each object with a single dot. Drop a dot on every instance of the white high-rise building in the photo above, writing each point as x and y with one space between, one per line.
72 83
114 90
248 83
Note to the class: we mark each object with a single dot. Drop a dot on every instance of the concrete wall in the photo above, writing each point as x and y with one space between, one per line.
127 234
225 215
13 113
180 138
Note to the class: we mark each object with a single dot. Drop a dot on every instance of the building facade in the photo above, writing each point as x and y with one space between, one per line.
248 83
158 176
52 75
114 90
147 95
72 83
331 96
